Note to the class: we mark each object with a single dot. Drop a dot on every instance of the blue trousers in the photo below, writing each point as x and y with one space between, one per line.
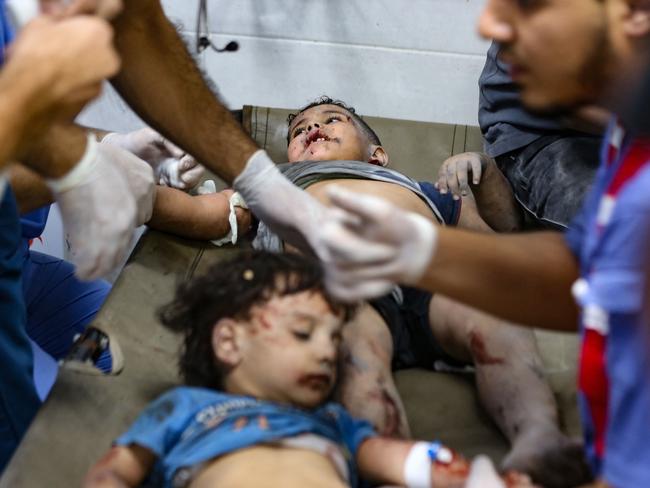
59 306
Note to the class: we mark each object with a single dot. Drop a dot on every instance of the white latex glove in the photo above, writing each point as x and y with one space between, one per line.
98 212
483 475
376 246
139 176
289 211
171 165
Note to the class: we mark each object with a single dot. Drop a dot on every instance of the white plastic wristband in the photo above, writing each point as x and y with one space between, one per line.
417 467
81 172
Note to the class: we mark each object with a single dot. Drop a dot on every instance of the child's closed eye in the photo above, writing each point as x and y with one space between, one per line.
301 335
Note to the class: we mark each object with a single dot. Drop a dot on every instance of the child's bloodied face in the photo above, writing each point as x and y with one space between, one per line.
288 350
326 133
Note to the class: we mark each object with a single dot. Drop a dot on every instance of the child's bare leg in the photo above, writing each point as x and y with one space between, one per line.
366 386
511 384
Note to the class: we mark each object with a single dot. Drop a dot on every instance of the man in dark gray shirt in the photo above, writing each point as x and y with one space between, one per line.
549 165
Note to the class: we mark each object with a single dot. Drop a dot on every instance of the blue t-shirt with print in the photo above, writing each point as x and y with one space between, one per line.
188 426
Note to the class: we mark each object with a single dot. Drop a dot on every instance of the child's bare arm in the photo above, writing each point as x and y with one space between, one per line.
384 460
202 217
121 467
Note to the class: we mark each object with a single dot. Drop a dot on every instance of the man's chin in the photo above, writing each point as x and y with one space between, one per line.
546 104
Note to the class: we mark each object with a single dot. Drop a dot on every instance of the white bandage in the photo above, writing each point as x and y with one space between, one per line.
236 200
81 172
417 467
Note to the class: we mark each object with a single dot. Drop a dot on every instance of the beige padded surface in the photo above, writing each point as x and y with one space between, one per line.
84 413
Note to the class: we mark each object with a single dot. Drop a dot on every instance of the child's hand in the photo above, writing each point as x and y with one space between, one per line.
455 173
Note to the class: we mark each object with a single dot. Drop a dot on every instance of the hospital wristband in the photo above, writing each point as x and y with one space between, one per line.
81 172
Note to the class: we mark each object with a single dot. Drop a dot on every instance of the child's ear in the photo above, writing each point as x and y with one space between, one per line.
378 156
225 342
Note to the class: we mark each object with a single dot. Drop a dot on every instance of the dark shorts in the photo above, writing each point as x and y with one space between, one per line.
447 206
408 321
551 176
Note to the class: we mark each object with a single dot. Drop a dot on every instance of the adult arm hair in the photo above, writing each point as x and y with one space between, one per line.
524 278
161 82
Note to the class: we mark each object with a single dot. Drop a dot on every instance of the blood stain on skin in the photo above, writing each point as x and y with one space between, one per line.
265 323
479 351
377 350
109 457
240 423
263 422
391 412
459 468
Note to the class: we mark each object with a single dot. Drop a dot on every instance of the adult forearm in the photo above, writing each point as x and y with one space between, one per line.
13 126
29 188
524 278
57 151
161 82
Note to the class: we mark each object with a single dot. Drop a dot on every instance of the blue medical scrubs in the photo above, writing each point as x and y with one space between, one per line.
18 399
59 305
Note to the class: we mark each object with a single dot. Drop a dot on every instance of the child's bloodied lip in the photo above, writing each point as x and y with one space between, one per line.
315 381
316 136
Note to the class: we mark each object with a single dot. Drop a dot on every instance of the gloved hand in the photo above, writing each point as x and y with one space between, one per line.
290 212
376 246
483 475
139 176
98 212
171 165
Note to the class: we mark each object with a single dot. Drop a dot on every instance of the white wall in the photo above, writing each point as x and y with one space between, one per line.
410 59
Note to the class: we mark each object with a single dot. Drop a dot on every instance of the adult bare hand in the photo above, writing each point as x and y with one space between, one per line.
106 9
172 166
59 66
458 171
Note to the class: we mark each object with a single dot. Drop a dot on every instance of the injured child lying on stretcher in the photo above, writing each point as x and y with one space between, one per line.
330 144
260 359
